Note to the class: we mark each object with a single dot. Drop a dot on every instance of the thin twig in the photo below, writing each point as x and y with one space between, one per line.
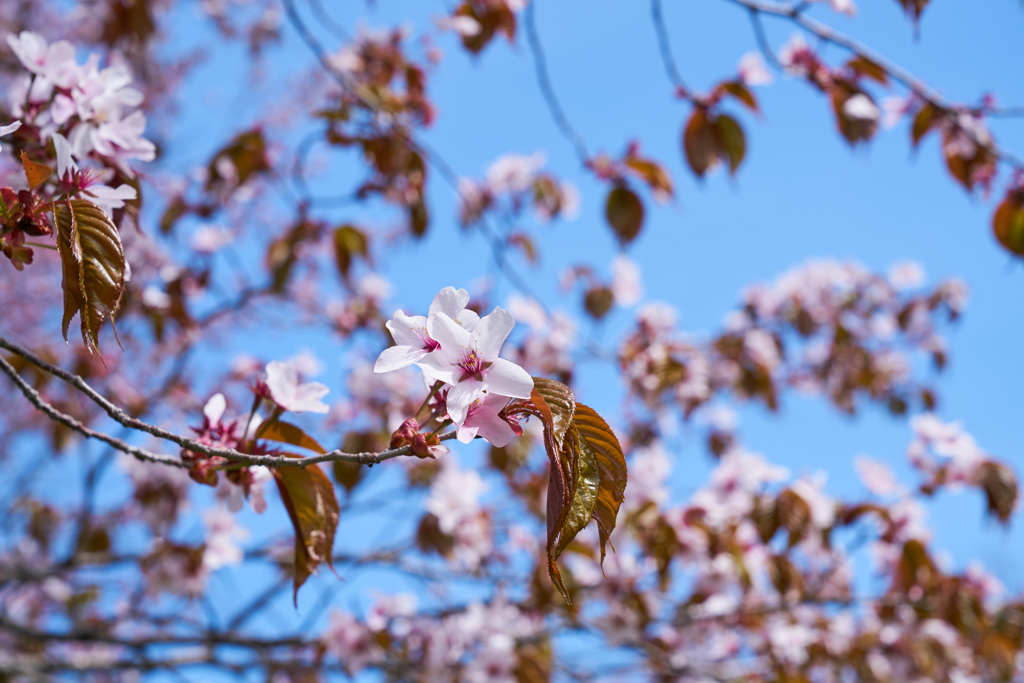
547 90
794 14
665 47
123 418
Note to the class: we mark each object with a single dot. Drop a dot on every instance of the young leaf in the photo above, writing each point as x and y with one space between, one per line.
1008 223
741 92
611 464
869 68
700 143
731 141
625 213
349 242
925 120
554 404
286 432
92 266
586 485
313 509
35 172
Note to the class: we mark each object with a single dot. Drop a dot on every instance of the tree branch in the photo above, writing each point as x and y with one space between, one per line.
123 418
794 14
547 90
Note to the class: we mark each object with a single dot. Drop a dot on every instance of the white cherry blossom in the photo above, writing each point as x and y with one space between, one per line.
412 341
290 393
468 361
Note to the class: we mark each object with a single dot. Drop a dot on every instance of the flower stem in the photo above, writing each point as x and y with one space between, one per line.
433 390
440 425
40 245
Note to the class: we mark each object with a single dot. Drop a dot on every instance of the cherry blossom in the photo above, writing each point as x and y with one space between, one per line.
753 70
468 361
412 341
289 392
483 419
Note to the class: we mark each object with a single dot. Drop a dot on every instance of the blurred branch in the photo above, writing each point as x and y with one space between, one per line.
665 47
793 13
443 168
547 90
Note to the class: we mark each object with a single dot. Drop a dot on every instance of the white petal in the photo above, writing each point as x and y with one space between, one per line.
492 332
460 397
508 379
452 337
403 328
449 301
397 357
437 369
9 128
214 408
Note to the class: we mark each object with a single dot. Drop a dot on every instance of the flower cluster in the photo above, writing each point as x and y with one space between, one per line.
95 106
457 350
483 642
513 183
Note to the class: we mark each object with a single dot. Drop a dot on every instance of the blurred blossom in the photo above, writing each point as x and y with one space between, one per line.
753 70
627 286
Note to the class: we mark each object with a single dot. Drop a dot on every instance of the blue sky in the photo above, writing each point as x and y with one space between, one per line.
802 193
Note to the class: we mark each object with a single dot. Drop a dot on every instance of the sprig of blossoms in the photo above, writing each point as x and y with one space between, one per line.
93 107
458 351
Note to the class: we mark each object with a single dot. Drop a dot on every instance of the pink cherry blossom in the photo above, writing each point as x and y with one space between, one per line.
483 419
290 393
412 341
469 362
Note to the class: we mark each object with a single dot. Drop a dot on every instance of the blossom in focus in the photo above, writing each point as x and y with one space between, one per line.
8 129
412 342
484 419
289 392
469 362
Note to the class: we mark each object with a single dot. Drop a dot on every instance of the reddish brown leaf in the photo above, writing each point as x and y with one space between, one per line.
700 142
924 121
349 242
35 172
625 213
1008 223
1000 487
598 301
731 141
313 509
611 464
741 92
869 68
652 173
286 432
92 266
